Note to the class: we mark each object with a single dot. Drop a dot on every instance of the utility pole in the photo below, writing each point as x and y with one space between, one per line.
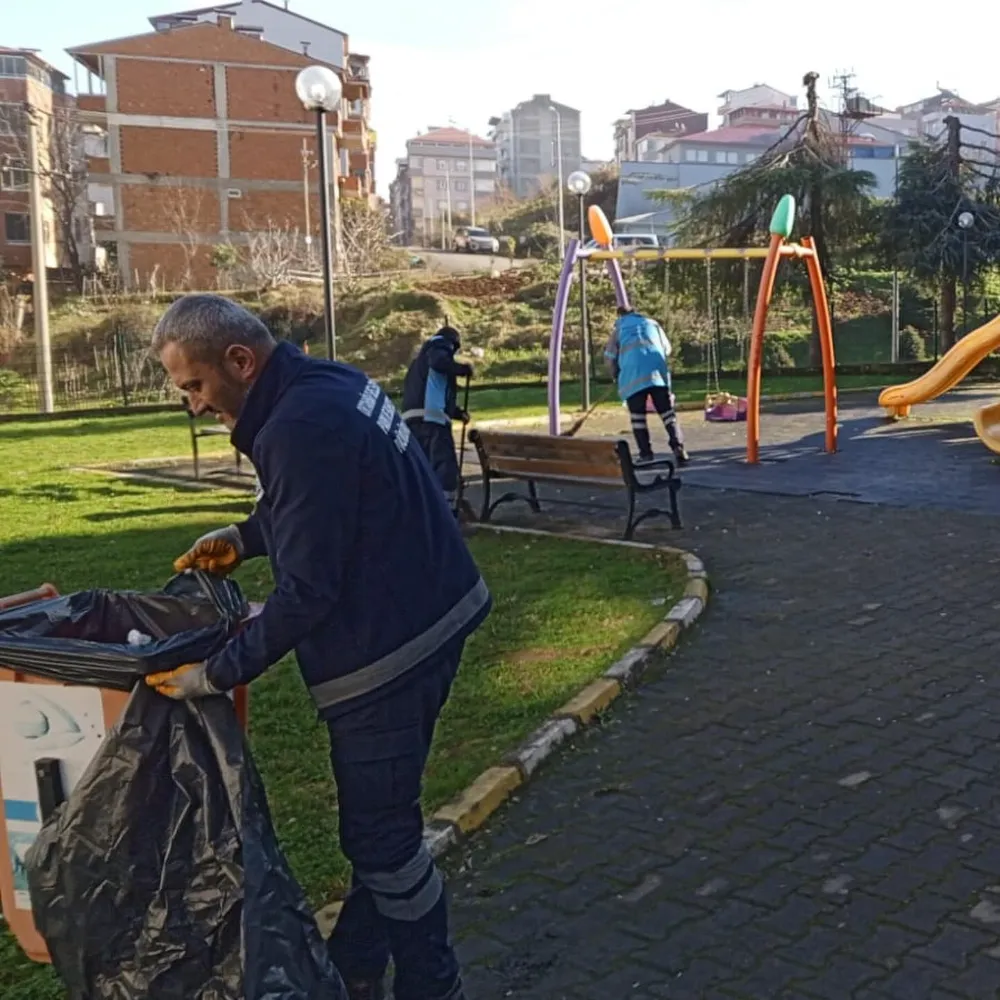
306 164
894 345
472 182
41 284
949 281
447 180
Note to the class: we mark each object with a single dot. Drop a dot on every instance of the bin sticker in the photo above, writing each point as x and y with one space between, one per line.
37 721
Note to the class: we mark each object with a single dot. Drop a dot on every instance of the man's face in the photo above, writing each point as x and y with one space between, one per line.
218 386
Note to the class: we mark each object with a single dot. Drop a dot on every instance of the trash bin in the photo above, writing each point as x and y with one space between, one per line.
50 731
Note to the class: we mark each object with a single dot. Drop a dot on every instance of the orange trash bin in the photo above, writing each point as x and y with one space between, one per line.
93 711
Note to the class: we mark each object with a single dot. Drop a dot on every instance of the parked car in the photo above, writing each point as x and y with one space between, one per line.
475 239
644 241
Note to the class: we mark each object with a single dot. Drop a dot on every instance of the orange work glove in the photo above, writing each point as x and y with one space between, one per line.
188 681
218 552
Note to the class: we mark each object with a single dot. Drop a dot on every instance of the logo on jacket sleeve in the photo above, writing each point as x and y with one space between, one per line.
389 421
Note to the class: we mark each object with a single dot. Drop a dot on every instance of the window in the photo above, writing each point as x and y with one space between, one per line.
442 184
442 164
690 155
13 121
732 157
95 144
13 175
16 227
750 157
461 185
461 165
430 164
720 156
703 156
463 206
15 66
442 206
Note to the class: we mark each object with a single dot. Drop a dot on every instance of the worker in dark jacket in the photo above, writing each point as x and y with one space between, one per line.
375 591
430 403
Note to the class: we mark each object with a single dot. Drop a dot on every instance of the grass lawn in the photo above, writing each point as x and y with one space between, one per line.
563 611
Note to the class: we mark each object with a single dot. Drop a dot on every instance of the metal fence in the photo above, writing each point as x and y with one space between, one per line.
115 375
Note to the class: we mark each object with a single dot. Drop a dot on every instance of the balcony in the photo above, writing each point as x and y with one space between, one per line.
355 134
357 82
93 103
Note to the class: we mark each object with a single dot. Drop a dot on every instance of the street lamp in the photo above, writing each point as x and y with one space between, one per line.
319 89
559 180
966 220
578 183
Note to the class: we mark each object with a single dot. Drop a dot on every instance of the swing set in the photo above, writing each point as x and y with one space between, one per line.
719 405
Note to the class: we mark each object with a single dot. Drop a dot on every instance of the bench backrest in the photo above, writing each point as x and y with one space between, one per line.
528 455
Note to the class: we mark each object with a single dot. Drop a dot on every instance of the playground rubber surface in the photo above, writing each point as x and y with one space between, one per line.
803 801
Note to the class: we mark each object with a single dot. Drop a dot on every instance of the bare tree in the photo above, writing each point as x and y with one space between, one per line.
183 209
62 168
366 237
273 252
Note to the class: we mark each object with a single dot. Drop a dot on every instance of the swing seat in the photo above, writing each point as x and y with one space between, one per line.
724 407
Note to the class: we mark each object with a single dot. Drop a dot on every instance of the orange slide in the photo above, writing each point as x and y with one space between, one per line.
945 375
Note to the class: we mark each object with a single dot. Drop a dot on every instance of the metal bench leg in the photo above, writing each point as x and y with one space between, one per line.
533 497
486 511
675 513
630 520
194 449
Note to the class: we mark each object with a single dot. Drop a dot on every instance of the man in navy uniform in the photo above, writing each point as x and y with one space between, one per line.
430 403
355 526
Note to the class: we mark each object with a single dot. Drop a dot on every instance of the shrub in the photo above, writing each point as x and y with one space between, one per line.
911 345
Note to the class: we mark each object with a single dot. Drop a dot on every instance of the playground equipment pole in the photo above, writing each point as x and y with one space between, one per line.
579 184
559 181
825 325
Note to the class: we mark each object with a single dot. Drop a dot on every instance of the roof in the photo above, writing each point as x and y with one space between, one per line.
224 8
753 86
173 44
453 135
667 105
33 55
734 135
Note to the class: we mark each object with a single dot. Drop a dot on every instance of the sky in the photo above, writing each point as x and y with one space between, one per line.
473 59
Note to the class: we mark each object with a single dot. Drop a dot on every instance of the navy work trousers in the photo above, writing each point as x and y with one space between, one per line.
397 903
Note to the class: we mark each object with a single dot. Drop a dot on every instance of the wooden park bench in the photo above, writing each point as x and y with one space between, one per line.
200 430
566 461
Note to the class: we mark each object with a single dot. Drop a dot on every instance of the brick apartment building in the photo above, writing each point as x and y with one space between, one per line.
203 141
25 79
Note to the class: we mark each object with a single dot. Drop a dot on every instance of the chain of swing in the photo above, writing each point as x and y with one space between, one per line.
712 352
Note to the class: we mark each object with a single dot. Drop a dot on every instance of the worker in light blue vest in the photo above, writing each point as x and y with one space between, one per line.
637 354
430 403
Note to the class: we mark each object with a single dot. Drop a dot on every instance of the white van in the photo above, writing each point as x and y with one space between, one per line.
639 240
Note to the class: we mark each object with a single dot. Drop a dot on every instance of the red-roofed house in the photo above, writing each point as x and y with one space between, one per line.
447 177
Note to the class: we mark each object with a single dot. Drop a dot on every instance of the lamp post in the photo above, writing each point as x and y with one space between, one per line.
559 181
578 183
319 89
966 220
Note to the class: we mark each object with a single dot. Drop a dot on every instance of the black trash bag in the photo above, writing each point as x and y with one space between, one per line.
82 638
161 878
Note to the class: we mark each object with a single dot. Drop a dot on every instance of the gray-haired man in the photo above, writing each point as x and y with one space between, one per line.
375 591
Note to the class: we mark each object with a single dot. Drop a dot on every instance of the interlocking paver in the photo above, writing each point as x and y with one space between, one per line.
715 788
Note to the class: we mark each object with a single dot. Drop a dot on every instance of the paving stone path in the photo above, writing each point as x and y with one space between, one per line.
803 800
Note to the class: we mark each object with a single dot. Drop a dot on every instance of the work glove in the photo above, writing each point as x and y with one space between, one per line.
464 370
188 681
219 552
462 415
